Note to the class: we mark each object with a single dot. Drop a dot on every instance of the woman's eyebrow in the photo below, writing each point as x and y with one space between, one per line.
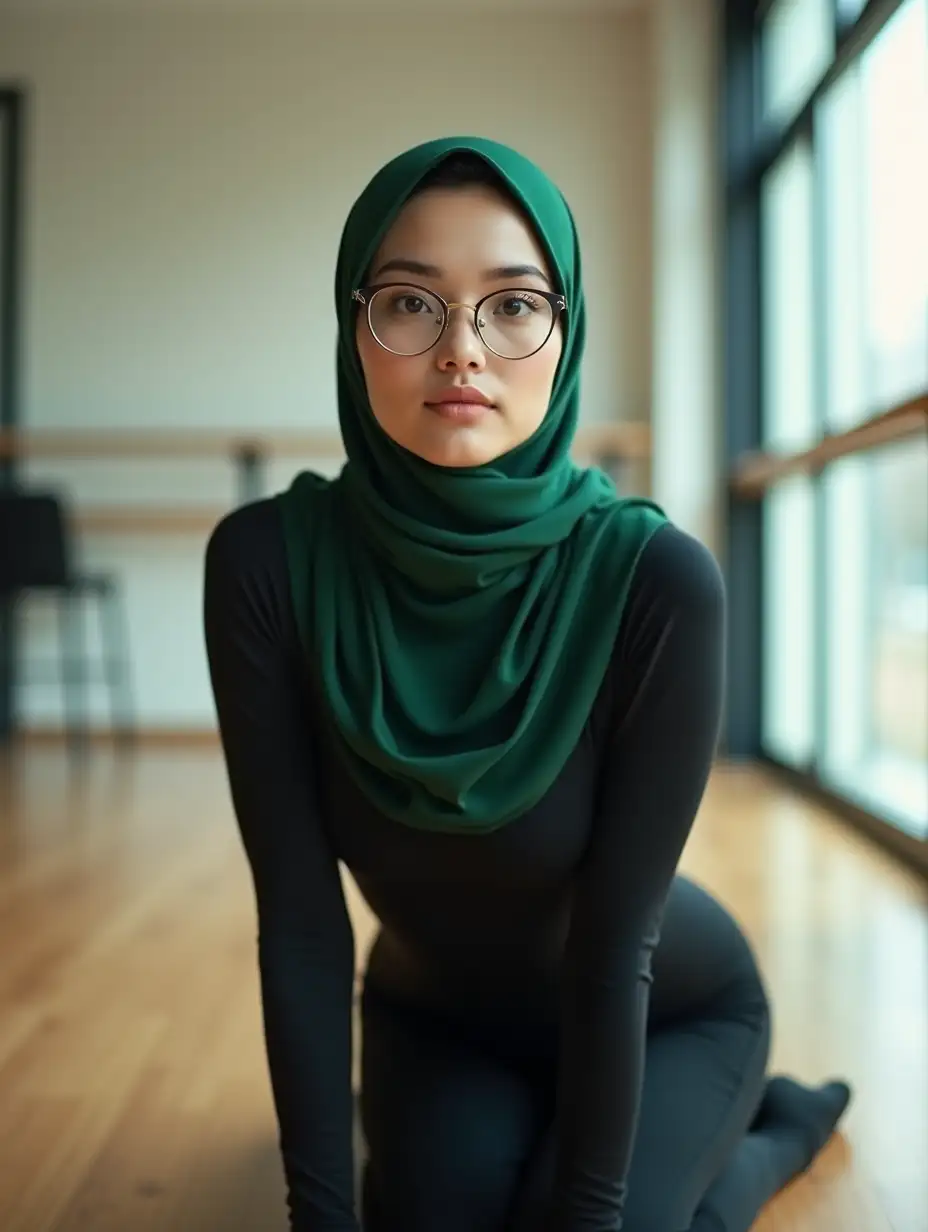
515 271
405 265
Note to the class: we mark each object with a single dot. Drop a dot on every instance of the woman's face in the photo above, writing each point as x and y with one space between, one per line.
462 243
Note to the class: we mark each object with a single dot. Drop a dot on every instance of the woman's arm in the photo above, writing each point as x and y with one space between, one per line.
667 681
305 941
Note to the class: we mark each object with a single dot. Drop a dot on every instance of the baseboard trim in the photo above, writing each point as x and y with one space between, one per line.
146 737
195 737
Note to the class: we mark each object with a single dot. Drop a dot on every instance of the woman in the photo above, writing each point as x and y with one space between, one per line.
489 686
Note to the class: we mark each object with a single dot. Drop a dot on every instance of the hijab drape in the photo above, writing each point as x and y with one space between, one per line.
460 620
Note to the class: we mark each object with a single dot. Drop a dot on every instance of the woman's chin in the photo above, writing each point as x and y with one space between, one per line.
458 449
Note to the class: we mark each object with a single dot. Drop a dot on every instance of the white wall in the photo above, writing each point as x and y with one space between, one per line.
686 389
187 183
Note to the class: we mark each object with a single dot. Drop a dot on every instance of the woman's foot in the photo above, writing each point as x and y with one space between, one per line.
811 1113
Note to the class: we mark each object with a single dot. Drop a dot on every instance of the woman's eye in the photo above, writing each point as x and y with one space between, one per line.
513 305
412 304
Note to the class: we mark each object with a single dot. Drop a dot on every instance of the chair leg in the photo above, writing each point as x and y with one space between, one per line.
73 670
114 626
8 648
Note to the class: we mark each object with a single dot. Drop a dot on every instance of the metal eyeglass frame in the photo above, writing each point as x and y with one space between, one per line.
364 296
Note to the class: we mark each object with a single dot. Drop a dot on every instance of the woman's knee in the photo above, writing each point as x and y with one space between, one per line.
659 1211
447 1129
454 1186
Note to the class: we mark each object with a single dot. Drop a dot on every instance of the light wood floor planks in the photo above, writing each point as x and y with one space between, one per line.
133 1088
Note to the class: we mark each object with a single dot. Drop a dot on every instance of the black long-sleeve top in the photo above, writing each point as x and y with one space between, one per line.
552 917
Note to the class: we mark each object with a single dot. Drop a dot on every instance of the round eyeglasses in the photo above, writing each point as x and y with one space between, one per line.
409 320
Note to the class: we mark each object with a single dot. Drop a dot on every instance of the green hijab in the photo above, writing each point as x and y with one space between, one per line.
459 621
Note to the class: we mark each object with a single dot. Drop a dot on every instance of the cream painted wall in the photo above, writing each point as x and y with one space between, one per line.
687 470
188 178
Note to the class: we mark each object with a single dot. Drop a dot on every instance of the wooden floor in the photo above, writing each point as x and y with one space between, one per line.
133 1088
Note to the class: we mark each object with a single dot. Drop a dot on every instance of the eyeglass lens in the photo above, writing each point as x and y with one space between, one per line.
409 320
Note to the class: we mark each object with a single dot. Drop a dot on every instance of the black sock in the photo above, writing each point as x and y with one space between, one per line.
809 1114
792 1125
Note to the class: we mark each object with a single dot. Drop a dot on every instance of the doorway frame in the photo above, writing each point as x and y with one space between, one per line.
12 247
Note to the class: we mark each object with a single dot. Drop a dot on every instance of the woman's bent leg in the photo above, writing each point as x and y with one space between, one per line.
707 1051
449 1129
701 1088
792 1126
715 1140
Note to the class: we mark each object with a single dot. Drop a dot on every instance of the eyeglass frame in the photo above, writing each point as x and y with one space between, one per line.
365 295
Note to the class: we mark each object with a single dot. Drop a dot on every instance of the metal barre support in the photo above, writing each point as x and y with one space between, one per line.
249 461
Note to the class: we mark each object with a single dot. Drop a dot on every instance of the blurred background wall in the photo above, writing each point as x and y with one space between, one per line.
188 177
746 178
750 181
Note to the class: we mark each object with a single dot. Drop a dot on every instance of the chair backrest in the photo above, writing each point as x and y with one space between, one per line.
34 542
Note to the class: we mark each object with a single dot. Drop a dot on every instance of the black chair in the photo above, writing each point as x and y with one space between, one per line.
36 555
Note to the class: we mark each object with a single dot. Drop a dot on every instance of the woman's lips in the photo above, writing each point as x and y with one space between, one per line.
459 412
461 403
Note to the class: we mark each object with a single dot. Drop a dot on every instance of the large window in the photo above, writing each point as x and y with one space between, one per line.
850 10
873 125
789 413
789 626
789 423
797 45
894 190
843 299
876 597
844 259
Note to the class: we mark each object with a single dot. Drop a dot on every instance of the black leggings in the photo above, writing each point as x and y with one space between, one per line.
459 1136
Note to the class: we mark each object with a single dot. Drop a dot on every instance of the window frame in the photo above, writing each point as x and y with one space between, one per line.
751 147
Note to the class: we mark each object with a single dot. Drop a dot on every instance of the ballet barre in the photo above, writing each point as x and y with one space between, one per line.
755 473
609 445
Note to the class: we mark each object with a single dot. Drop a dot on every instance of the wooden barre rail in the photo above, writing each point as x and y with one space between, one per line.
607 443
624 440
146 519
755 473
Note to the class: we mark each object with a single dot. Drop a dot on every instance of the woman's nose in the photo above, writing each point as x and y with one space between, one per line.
460 345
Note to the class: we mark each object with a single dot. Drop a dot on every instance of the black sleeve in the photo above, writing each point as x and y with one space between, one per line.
305 943
667 678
